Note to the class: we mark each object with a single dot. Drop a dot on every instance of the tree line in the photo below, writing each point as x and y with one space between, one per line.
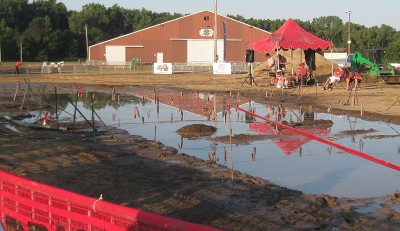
46 29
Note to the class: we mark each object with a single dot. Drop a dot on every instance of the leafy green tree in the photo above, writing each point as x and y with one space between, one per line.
116 21
15 13
393 51
329 28
38 37
57 12
14 18
143 20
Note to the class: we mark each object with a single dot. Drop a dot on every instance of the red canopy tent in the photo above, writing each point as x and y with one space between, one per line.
290 36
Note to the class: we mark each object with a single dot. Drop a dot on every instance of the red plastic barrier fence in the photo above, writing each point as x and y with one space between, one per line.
36 204
312 136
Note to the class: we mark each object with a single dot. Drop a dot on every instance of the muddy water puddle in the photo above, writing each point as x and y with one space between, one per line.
258 148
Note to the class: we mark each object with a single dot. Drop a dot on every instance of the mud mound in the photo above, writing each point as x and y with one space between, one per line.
316 123
196 130
243 139
357 132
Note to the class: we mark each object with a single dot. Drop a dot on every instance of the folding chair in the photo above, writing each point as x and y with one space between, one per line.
340 83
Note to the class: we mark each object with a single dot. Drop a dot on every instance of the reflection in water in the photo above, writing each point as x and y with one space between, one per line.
225 155
271 157
253 154
361 145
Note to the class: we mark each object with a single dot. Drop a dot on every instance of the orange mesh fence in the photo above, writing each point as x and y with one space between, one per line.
31 203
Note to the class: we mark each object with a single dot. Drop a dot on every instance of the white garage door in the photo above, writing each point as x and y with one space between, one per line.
115 54
203 50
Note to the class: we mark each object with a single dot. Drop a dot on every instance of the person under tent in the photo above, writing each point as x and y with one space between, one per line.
301 74
271 67
282 63
282 81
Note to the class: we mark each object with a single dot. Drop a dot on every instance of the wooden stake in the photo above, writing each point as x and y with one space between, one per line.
94 129
55 93
16 91
230 144
362 110
23 99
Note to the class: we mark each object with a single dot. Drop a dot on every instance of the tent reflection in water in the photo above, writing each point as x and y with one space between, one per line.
292 36
287 140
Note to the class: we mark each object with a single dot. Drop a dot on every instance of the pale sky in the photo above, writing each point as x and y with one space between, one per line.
364 12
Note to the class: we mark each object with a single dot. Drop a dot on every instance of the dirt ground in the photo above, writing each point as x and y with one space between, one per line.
144 174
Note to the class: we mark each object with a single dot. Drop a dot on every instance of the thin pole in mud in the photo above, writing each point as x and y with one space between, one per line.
27 82
29 97
98 117
41 107
397 101
16 91
94 129
230 140
55 95
155 133
348 99
75 107
23 98
362 110
301 95
215 110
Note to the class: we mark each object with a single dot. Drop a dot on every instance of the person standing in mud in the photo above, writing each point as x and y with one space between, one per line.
17 65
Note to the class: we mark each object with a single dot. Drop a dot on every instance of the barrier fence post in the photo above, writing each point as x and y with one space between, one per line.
55 93
94 127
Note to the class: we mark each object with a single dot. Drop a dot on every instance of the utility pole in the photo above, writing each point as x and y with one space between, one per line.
348 33
20 51
87 42
215 31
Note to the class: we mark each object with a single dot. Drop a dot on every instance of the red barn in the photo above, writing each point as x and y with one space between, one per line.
189 39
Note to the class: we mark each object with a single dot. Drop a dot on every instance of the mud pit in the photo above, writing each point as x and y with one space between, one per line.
132 171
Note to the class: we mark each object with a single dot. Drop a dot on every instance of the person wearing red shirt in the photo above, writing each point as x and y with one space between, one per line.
17 64
336 77
300 73
353 76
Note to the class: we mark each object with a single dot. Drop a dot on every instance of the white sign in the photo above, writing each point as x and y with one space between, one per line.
206 32
221 68
163 68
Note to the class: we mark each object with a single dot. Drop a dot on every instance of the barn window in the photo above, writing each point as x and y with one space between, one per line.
206 18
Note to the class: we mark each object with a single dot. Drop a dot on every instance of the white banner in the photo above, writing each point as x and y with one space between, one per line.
222 68
163 68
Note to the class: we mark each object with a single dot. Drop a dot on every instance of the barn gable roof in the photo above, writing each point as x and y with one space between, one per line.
189 15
